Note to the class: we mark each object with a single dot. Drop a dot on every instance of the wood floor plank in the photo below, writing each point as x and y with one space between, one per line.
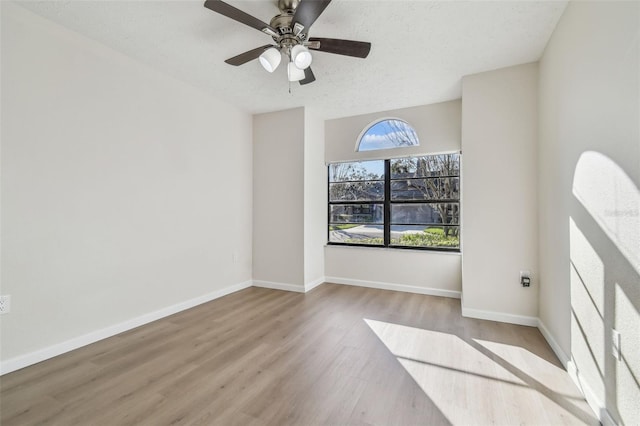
338 355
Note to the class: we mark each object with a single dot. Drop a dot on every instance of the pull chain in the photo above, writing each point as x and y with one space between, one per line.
289 56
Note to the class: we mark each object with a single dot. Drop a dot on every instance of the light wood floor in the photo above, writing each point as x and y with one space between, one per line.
337 355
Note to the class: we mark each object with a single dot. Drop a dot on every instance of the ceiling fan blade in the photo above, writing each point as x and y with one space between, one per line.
245 57
308 77
358 49
238 15
308 11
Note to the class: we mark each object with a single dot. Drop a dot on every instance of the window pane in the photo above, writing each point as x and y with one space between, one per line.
425 236
432 165
360 170
356 213
425 189
430 213
357 234
357 191
389 133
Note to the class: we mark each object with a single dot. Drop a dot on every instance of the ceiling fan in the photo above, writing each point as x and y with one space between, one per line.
290 33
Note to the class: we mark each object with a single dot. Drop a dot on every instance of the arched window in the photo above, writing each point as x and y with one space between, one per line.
387 133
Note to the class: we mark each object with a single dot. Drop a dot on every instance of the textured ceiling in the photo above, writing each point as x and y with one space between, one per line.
420 49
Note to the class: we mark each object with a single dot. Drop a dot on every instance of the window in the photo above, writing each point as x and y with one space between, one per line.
387 133
356 202
411 202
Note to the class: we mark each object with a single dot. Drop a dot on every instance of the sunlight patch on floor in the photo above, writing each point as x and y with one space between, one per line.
465 378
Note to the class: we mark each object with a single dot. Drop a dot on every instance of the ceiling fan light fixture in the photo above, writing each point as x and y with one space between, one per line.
270 59
301 56
294 73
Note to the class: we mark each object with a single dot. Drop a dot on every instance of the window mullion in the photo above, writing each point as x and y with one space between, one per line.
387 203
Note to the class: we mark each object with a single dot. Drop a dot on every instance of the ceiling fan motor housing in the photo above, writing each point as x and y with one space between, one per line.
288 6
289 35
282 23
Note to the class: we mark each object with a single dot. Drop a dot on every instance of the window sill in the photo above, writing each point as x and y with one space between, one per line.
457 252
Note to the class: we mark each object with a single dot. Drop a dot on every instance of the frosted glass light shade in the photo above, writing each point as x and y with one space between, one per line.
295 73
301 56
270 59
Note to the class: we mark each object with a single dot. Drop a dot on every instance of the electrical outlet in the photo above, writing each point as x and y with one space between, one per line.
615 344
234 257
5 304
525 278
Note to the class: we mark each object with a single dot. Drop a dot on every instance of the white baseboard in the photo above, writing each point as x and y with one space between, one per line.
313 284
289 287
26 360
594 402
500 317
394 286
562 356
279 286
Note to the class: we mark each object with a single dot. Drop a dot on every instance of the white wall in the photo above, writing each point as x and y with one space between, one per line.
315 198
438 128
589 175
124 191
499 139
436 273
278 199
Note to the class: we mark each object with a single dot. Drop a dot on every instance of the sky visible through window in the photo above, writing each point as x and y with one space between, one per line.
389 133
